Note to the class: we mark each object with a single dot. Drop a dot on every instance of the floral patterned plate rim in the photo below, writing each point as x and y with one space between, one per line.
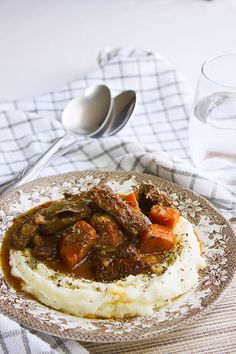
219 247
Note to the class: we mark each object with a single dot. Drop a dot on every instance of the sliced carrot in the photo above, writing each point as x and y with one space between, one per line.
131 199
76 244
158 238
164 216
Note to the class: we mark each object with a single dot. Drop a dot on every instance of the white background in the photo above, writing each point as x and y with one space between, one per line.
46 43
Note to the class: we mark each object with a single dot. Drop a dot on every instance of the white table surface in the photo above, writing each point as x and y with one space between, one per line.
46 43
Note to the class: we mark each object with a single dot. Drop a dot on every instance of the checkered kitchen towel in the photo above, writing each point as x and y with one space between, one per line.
154 141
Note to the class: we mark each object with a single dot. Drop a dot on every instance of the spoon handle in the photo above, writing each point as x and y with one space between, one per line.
32 170
64 150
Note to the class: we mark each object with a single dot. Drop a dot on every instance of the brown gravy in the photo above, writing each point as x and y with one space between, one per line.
82 271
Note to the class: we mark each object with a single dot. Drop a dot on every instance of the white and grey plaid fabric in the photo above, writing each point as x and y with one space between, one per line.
16 339
154 141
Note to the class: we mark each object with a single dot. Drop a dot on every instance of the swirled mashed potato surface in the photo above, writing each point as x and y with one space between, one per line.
138 295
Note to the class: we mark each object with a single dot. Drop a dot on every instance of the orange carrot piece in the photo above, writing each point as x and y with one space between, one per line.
76 244
164 216
131 199
158 238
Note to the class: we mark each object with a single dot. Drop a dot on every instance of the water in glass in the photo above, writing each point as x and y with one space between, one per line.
213 136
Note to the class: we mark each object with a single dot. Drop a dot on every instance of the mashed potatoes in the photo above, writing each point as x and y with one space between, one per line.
138 295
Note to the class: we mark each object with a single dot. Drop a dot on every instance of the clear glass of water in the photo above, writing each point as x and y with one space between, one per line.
212 129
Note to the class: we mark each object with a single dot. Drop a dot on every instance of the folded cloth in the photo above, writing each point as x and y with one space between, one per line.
16 339
154 141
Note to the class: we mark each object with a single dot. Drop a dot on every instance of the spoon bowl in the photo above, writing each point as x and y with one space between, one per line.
86 113
123 107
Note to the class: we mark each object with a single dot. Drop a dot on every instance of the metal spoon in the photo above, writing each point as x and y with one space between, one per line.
84 115
122 109
123 106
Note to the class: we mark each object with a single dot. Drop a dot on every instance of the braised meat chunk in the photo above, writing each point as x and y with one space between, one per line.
45 247
76 243
131 220
61 214
109 233
24 233
150 195
125 261
58 222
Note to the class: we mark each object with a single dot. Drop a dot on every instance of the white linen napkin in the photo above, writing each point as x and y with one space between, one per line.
154 141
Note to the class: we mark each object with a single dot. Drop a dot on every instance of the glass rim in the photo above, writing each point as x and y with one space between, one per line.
209 60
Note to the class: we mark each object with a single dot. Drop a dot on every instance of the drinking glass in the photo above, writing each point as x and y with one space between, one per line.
212 129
